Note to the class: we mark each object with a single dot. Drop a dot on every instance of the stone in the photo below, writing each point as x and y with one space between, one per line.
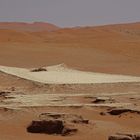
38 70
48 127
56 123
102 113
103 100
125 136
118 111
119 137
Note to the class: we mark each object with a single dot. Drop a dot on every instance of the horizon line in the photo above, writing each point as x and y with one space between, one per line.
76 26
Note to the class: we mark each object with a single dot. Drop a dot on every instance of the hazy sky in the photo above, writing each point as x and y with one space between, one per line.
71 12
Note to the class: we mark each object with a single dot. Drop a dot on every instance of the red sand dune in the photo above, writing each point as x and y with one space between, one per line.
33 27
109 49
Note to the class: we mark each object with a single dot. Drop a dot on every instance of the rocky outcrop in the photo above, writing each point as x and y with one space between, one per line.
71 118
49 127
119 111
125 136
119 137
56 123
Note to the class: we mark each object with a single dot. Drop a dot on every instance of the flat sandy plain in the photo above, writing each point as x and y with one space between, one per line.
103 52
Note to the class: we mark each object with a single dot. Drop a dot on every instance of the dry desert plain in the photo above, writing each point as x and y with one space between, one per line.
87 78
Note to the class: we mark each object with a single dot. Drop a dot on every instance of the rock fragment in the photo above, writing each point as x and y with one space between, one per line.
125 136
119 111
56 123
48 127
39 69
103 100
119 137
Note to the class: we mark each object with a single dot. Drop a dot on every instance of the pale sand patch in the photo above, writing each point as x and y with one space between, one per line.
60 74
16 101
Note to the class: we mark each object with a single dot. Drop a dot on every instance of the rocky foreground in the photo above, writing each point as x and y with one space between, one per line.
36 111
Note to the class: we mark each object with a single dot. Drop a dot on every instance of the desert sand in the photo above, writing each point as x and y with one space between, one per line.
60 74
101 74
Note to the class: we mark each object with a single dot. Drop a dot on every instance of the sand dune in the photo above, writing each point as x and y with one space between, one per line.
62 75
108 49
32 27
100 59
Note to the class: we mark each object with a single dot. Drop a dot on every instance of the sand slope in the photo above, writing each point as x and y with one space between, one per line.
107 49
62 75
32 27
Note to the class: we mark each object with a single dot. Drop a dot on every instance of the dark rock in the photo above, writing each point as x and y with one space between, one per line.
102 113
38 70
48 127
4 93
118 111
56 123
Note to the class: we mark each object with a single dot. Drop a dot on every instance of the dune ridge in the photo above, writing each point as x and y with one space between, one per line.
107 49
28 27
59 74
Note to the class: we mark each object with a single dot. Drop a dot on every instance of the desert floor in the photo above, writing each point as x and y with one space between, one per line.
21 104
113 49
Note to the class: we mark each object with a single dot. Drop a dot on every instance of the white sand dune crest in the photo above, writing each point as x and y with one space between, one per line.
61 74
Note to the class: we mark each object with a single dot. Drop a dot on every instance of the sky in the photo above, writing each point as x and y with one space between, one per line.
69 13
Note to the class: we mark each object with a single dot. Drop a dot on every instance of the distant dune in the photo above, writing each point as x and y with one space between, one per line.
94 92
33 27
108 49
